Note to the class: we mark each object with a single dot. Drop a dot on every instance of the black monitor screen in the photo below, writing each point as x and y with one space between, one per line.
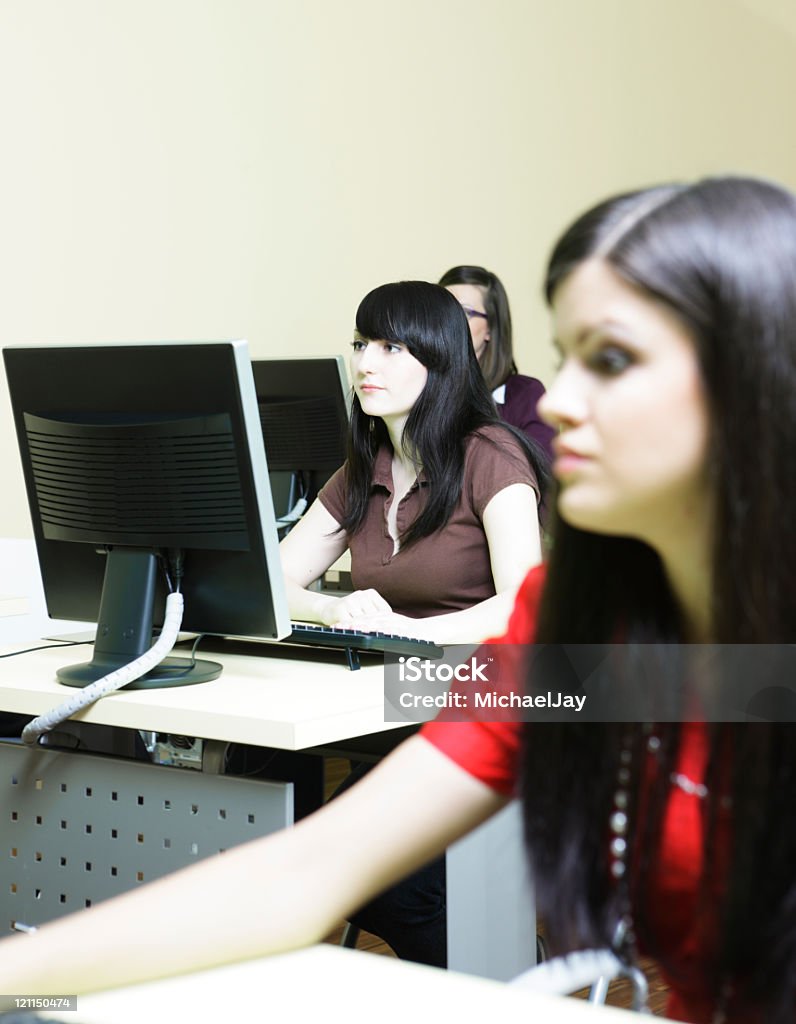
304 410
140 458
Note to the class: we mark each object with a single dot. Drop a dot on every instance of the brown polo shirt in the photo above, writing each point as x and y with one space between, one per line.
450 569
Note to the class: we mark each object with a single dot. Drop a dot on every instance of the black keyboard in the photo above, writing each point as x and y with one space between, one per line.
352 641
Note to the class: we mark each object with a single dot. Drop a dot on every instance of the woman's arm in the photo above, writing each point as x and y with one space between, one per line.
511 525
315 543
296 885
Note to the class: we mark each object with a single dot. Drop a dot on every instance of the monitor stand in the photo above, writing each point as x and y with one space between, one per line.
124 628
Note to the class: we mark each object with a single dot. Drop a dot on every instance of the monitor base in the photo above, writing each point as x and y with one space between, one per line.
170 672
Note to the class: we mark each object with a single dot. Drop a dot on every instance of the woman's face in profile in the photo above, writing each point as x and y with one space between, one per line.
471 298
630 409
387 378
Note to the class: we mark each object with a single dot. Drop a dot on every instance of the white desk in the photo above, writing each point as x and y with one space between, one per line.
287 703
269 701
333 986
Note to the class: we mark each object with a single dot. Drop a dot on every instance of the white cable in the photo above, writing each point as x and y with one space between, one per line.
294 514
114 680
565 974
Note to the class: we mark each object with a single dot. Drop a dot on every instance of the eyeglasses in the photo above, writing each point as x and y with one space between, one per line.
472 314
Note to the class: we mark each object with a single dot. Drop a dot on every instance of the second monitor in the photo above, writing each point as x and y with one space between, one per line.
304 409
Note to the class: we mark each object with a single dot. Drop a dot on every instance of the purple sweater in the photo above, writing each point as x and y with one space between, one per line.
519 409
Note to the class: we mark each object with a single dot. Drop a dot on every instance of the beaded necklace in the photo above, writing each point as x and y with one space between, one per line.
624 939
618 820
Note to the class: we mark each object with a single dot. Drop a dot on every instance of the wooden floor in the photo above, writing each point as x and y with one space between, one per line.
619 993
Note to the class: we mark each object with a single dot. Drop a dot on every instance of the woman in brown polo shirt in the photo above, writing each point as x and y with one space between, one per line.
438 498
437 503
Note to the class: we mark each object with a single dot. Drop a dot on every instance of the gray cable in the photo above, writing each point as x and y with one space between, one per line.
114 680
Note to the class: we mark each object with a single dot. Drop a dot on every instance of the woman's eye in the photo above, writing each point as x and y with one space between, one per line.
357 345
610 360
393 346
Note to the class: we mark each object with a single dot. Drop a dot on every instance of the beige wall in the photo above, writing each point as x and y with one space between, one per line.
184 169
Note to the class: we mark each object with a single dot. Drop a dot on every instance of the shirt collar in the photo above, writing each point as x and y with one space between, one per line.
382 470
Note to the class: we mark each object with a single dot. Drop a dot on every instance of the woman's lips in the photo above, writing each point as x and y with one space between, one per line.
568 463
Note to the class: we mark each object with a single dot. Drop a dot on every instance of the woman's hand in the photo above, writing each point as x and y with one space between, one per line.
355 609
397 625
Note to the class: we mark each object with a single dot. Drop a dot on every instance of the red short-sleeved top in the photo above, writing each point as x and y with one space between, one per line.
450 569
490 752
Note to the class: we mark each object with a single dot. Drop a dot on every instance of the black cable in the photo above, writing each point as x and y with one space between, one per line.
47 647
189 668
177 566
196 643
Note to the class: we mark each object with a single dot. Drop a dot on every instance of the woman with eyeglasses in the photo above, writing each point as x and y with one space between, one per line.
485 303
674 311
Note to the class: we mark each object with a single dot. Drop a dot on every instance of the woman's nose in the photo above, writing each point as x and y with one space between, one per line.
564 402
366 359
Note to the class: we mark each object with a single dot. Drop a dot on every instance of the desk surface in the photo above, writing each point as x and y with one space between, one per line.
333 985
289 702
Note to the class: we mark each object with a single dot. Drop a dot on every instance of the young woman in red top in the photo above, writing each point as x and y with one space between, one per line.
675 313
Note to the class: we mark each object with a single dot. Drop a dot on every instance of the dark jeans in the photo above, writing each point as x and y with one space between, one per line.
411 917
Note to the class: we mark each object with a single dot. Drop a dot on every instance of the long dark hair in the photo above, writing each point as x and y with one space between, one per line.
721 255
454 402
497 363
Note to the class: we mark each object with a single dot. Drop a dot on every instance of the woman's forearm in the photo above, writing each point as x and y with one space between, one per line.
472 625
312 606
309 605
270 895
224 909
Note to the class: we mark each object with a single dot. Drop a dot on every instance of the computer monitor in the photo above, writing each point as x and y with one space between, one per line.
143 459
304 411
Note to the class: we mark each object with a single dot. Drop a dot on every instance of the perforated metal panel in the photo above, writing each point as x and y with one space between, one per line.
78 828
